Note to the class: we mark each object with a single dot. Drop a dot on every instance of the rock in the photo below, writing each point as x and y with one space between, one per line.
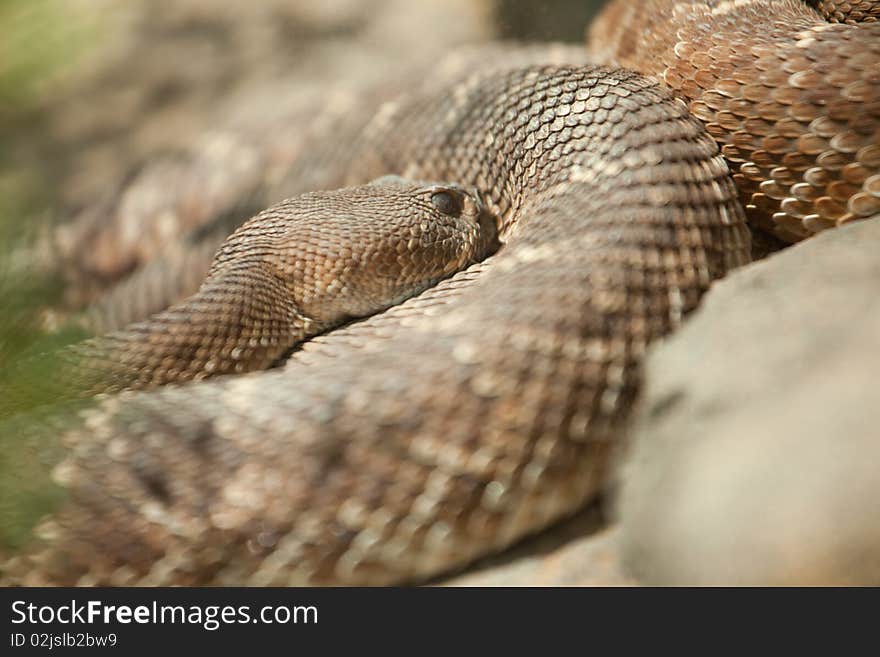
755 451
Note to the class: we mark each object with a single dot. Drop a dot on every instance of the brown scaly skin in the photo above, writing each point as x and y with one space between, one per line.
297 270
483 419
793 100
461 420
292 272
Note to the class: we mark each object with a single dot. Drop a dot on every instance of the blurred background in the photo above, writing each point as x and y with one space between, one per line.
105 105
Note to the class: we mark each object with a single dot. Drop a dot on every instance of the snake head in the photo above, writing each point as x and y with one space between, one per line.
352 252
404 236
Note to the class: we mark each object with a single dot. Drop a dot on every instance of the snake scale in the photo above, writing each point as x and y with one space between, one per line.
487 407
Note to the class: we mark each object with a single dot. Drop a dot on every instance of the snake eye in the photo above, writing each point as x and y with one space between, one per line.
447 202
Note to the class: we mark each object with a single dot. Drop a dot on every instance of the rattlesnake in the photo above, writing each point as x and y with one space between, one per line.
487 407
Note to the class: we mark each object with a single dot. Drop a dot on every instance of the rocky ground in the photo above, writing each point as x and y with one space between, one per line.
756 448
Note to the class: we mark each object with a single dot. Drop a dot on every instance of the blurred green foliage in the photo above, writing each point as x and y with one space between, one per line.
39 39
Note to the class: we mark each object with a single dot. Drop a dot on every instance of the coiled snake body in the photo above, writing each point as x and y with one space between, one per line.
486 408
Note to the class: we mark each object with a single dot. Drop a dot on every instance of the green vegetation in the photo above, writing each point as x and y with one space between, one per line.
40 38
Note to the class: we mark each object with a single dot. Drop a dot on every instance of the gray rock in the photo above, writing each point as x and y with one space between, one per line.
755 452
